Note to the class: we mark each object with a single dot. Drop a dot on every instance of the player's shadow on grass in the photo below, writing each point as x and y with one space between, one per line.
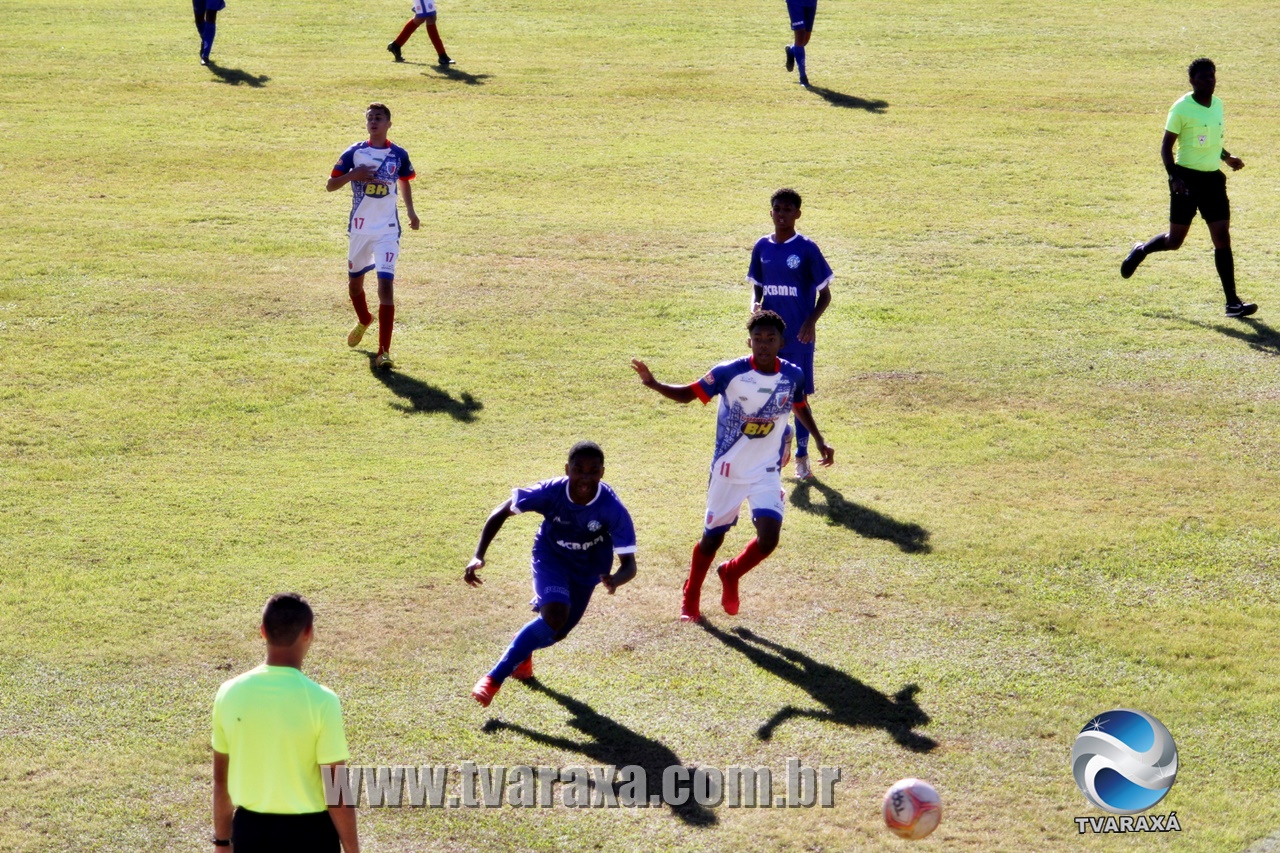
422 397
236 77
461 76
1259 336
845 699
911 538
611 743
851 102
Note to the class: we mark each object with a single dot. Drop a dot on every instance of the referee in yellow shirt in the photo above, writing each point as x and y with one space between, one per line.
273 729
1196 182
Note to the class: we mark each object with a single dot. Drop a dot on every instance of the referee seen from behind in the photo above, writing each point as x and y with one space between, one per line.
1196 181
273 730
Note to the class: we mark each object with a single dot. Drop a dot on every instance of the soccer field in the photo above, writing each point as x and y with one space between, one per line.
1055 490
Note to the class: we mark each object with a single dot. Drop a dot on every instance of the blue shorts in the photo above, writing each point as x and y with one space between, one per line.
202 6
802 14
556 583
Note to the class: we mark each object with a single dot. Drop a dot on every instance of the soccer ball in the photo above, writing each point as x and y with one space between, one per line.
912 808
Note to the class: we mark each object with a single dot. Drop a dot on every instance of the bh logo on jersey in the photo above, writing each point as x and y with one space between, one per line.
757 429
372 189
793 262
1124 761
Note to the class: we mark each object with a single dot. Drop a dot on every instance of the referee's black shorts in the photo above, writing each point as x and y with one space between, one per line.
1206 191
255 832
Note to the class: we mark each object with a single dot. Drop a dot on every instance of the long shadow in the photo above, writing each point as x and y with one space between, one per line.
461 76
850 102
237 77
422 397
845 700
1260 336
911 538
611 743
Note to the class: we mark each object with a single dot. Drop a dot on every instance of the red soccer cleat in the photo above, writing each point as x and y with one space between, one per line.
729 597
484 691
524 671
689 611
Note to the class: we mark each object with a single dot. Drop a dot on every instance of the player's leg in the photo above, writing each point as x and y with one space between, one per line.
409 29
384 259
579 597
433 33
1182 209
767 503
724 501
551 598
197 8
210 30
808 12
359 262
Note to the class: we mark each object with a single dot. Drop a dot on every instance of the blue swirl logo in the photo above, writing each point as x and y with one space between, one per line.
1124 761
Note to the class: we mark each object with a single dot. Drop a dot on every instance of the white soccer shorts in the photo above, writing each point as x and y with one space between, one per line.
424 8
373 251
725 497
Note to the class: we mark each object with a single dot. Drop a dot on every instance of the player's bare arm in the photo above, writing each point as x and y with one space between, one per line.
359 173
487 534
407 192
679 393
1166 154
223 808
1235 163
809 331
805 416
625 573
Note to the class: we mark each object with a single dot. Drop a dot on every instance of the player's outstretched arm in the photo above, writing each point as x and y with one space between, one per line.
679 393
805 416
491 527
625 573
407 192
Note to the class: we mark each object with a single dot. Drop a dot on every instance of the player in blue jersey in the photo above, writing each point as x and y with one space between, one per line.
375 169
790 277
584 525
802 14
206 12
424 12
757 394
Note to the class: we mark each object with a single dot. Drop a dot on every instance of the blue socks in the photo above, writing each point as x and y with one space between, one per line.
533 636
798 52
206 38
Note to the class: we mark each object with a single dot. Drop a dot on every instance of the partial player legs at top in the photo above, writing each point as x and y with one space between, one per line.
802 14
424 12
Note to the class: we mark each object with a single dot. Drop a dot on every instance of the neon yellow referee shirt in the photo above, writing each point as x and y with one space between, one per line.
1200 132
278 727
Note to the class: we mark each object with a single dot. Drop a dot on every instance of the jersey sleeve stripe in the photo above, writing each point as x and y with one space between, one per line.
820 285
631 549
700 393
515 496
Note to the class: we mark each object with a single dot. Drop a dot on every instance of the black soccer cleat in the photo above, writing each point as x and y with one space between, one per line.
1241 309
445 61
1130 264
791 59
395 51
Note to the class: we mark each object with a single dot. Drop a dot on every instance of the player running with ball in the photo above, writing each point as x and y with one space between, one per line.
757 394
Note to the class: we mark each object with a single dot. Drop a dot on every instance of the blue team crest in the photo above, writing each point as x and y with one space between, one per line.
593 525
793 262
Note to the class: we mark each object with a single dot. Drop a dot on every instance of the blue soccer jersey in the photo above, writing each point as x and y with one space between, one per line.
582 538
373 202
789 275
753 413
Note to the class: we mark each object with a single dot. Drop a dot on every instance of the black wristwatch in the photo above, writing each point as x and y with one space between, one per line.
221 842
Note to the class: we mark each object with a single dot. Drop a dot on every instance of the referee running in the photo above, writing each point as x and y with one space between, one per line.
1196 182
273 729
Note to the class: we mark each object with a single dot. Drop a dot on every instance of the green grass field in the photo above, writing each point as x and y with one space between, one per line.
1055 491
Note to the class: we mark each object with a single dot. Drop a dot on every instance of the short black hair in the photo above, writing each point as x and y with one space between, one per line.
767 318
785 194
586 448
377 106
285 617
1198 65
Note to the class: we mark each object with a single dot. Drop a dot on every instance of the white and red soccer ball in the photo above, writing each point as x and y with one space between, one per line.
912 808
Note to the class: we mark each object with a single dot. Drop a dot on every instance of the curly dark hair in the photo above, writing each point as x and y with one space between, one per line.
767 318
